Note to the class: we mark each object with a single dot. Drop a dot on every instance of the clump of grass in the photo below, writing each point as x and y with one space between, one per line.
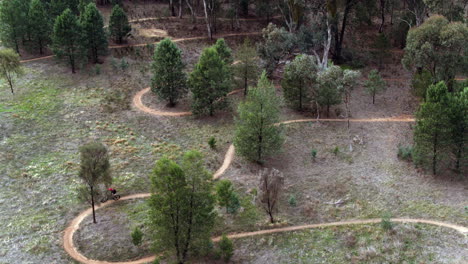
212 142
386 222
336 150
405 153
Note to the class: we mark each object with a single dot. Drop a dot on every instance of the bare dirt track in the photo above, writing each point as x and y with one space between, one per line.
70 248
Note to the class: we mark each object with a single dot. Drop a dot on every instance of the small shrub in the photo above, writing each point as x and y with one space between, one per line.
226 248
405 153
137 236
336 150
156 261
234 204
313 153
212 142
292 200
114 63
386 223
123 64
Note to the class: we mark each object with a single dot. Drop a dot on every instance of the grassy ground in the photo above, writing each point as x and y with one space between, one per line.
54 112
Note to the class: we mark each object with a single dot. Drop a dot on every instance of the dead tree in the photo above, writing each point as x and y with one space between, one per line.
271 183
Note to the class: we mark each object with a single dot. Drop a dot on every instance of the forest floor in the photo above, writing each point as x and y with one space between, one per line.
53 112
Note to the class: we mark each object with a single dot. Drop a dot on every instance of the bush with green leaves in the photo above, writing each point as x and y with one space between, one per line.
137 236
420 82
292 200
336 150
119 26
374 84
212 142
386 222
313 153
227 197
226 248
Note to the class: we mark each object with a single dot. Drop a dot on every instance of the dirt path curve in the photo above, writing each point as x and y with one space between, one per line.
71 249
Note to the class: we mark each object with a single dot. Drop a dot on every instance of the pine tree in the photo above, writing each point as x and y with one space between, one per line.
182 204
257 134
94 169
225 193
374 84
82 6
67 38
223 51
458 107
432 131
209 82
10 66
13 23
40 25
169 81
330 87
119 26
299 77
246 69
93 28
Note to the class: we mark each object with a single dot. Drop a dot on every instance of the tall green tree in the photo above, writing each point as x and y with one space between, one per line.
13 23
82 6
276 45
94 169
257 134
169 80
40 25
223 51
226 195
93 29
119 26
246 69
67 38
330 87
374 84
432 131
438 46
182 204
57 7
458 117
299 78
10 66
209 82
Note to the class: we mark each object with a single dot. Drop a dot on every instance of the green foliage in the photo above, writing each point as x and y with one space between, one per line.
292 200
212 142
298 80
226 248
169 79
313 153
420 83
137 236
246 69
405 153
210 81
10 66
329 90
227 197
386 223
182 204
257 134
67 38
374 84
93 29
13 22
119 26
94 168
432 131
249 216
458 118
336 150
224 52
277 43
382 49
123 64
40 25
438 46
82 6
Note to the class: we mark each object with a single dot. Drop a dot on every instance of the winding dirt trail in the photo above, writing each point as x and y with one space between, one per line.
71 249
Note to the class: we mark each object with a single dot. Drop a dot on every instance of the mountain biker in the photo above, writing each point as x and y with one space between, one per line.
112 191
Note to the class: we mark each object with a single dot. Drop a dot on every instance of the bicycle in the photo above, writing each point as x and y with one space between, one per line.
109 196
